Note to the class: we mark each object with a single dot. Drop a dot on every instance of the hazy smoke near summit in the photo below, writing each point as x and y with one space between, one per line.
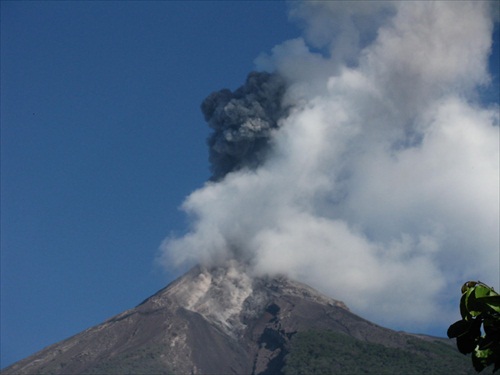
365 165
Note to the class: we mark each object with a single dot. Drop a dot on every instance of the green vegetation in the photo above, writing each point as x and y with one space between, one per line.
480 310
326 352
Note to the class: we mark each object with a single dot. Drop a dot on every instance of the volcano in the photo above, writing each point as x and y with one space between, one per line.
220 320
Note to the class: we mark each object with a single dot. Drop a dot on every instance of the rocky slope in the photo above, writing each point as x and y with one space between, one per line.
209 321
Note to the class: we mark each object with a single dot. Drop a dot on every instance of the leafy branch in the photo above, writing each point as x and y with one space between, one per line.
478 332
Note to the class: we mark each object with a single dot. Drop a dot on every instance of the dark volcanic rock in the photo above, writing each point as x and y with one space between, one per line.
209 321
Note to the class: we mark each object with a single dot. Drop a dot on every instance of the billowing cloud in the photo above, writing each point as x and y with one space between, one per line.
380 182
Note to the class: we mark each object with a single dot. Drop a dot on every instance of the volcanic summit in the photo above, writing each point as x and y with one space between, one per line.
220 320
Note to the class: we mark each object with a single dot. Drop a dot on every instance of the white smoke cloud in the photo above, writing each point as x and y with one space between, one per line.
382 185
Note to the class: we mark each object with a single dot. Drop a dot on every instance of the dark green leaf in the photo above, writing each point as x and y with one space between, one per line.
487 342
491 326
463 308
459 328
466 344
493 302
474 306
491 299
478 363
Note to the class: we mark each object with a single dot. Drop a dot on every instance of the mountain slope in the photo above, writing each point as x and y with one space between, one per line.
221 321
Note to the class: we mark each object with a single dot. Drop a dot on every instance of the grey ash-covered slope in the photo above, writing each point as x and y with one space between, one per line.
209 321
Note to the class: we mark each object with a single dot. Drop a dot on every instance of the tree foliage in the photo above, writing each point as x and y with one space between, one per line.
478 332
327 352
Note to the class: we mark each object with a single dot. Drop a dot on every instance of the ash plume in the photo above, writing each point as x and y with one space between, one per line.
242 122
378 184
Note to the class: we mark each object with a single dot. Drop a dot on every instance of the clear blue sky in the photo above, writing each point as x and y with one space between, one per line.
101 139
